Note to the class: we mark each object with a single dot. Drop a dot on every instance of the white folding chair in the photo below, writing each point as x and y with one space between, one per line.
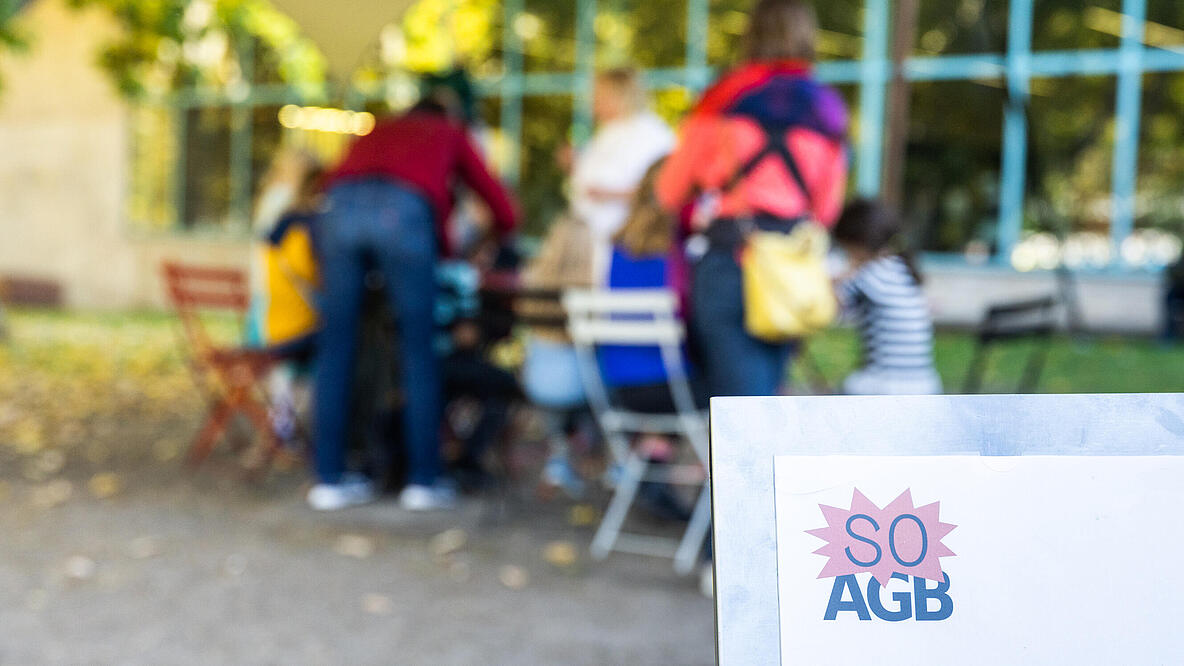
641 318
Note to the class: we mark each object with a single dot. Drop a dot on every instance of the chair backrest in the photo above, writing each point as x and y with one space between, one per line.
627 317
193 290
1035 318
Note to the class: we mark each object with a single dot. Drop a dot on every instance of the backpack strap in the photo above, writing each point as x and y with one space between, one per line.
774 146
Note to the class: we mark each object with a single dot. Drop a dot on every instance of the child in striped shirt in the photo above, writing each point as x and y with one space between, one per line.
881 294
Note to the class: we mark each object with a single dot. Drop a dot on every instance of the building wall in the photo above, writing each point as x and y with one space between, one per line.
1113 303
63 171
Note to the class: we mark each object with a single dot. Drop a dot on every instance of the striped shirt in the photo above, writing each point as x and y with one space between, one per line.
884 300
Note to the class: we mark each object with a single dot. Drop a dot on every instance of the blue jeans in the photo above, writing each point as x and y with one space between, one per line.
379 224
734 362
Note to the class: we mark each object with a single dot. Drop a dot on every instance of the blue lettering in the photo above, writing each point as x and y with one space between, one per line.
873 544
836 603
922 595
903 600
892 540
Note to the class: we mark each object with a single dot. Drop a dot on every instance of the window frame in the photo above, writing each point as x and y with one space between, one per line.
871 74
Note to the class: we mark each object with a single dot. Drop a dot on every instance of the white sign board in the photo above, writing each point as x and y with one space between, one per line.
956 529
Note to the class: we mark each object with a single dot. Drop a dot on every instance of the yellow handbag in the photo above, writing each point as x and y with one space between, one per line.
788 292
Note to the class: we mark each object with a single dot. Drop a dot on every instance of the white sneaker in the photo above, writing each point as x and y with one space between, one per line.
337 496
427 498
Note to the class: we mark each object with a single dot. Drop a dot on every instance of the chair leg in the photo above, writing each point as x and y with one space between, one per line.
618 447
618 508
1035 367
974 375
216 421
268 445
696 533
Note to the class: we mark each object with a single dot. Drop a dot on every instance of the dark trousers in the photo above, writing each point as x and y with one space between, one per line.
733 362
376 223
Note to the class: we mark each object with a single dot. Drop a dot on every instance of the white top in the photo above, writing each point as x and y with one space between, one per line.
615 160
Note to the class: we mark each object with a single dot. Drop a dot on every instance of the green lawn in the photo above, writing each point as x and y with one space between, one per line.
141 347
1093 364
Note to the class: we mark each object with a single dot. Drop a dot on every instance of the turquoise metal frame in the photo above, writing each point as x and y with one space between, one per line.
1017 67
871 74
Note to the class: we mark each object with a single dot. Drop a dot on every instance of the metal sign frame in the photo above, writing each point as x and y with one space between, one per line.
748 433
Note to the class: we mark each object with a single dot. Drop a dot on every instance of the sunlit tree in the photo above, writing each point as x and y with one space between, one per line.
174 44
12 38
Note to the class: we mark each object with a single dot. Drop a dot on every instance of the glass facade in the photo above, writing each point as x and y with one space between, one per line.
1037 127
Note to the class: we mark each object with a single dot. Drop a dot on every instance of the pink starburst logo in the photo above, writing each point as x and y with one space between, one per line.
900 539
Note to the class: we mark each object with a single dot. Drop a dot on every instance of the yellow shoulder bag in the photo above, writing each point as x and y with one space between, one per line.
787 290
788 293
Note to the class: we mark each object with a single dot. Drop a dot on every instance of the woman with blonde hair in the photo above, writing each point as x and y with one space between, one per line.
629 138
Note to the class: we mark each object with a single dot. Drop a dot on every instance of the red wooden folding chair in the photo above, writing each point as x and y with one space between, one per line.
230 376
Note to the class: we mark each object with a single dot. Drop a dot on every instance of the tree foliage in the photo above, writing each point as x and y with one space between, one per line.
12 37
169 45
954 150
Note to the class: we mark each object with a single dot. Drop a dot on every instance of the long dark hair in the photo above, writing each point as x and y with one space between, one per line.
874 227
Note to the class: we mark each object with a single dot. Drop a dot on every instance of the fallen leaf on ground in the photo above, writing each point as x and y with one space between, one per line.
562 554
50 462
354 545
104 485
582 515
28 437
513 577
80 567
377 604
449 541
142 548
165 450
53 493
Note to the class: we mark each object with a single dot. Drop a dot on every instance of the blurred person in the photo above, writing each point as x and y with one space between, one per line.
479 395
388 206
882 294
287 306
628 139
551 376
764 148
646 255
285 187
735 163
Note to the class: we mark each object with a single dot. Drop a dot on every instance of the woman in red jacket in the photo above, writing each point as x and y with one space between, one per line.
388 206
766 144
